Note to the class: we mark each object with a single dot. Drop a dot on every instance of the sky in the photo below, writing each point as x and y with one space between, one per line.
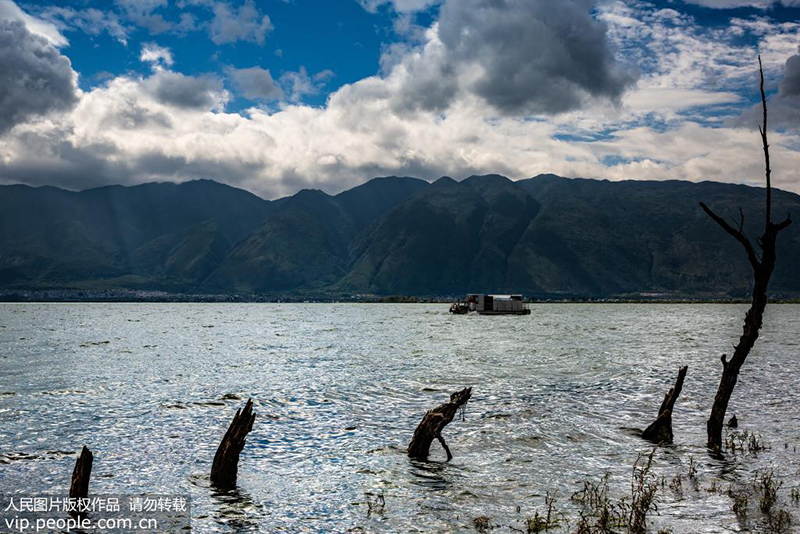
278 95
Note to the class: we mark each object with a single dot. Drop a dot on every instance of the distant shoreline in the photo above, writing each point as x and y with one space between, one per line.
129 296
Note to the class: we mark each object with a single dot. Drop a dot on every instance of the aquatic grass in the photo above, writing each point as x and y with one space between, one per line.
779 522
741 499
482 524
600 514
552 519
692 468
745 441
643 493
676 484
768 487
538 523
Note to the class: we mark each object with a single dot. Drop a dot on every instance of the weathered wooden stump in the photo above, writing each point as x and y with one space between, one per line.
79 487
226 460
433 423
660 431
733 422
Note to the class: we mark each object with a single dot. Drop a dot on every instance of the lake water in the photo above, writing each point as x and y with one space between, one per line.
339 388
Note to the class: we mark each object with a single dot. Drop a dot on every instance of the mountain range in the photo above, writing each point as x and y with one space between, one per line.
545 237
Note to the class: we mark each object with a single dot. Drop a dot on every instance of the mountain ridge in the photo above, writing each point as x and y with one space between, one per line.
545 236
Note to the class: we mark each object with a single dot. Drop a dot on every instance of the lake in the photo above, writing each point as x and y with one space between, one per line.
339 388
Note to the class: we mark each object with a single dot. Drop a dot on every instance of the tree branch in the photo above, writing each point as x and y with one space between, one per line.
781 225
739 236
445 447
764 141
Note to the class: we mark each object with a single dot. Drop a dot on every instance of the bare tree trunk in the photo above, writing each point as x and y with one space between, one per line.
762 272
79 486
660 430
433 423
225 468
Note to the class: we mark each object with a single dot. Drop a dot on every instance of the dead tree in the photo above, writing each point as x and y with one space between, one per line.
433 423
660 430
79 487
762 266
226 461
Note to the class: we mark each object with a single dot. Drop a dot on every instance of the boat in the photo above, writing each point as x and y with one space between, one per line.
483 304
459 308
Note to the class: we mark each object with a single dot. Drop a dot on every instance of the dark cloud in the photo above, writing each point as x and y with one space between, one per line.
791 77
784 107
255 83
53 159
176 89
535 56
34 77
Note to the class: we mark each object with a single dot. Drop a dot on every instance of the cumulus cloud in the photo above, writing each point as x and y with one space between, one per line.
431 110
729 4
518 56
35 78
191 92
300 84
255 83
9 11
141 13
401 6
791 78
90 21
243 24
158 56
783 107
533 56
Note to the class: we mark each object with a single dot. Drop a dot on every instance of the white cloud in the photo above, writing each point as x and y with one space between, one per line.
243 24
401 6
417 118
158 56
728 4
299 84
9 11
141 13
90 21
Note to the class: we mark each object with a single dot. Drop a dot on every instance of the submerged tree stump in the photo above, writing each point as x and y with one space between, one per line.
433 423
226 461
79 487
660 430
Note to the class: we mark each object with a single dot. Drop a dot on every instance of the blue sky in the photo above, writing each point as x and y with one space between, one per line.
338 36
276 95
344 36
